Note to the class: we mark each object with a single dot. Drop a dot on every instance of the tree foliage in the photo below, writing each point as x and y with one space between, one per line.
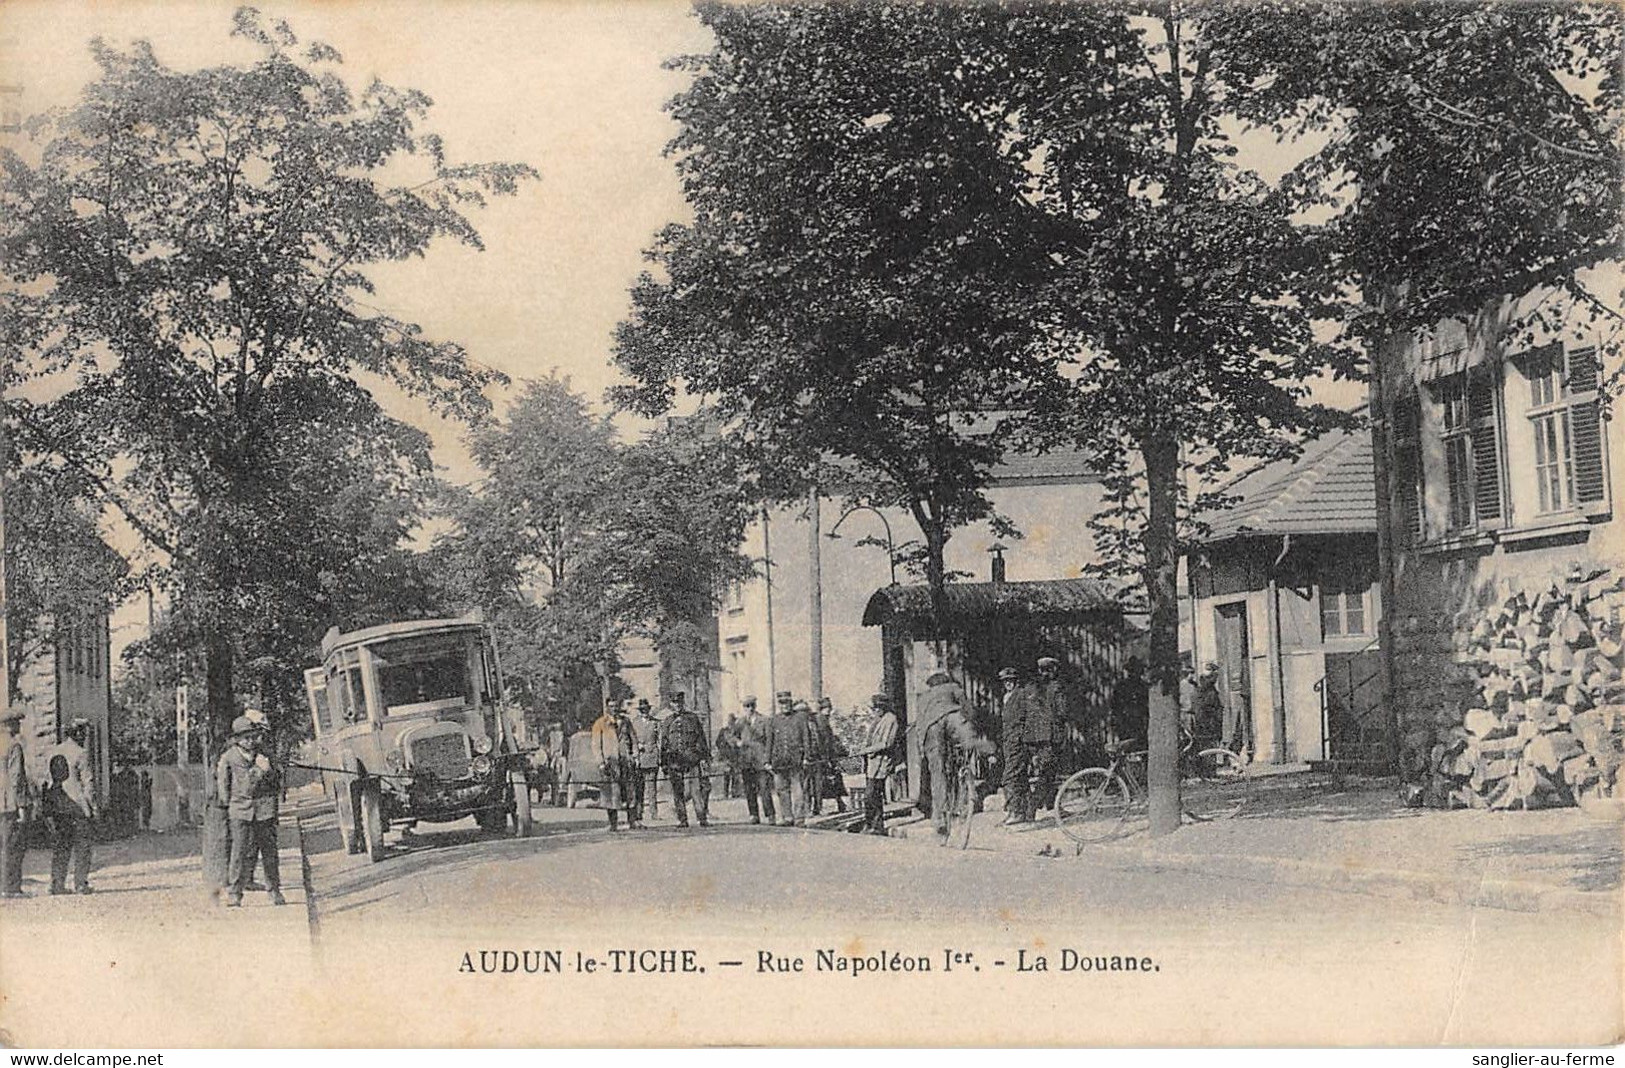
191 249
852 297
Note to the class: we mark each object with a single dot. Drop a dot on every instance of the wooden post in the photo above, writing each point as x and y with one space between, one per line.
815 612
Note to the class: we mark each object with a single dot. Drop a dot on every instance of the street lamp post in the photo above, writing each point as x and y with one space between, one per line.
891 546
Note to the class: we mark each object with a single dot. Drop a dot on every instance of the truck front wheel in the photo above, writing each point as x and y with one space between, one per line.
372 821
521 803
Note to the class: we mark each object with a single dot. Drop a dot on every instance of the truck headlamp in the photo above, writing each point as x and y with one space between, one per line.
482 745
482 765
393 759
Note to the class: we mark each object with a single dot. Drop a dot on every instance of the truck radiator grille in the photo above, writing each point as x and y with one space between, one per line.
445 756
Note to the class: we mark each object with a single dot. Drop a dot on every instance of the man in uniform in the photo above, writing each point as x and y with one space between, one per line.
1050 706
789 745
755 774
685 756
73 808
879 754
247 785
726 749
13 804
646 753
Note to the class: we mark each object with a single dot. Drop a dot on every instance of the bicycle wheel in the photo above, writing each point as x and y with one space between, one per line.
1093 805
963 811
1217 764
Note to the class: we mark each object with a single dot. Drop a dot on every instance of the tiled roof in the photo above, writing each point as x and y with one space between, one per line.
1061 465
1329 489
978 600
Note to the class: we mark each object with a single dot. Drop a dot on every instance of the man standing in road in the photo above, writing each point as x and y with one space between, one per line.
685 756
247 785
613 750
726 748
13 804
1050 706
646 753
941 697
755 774
831 784
789 745
72 795
1013 704
879 756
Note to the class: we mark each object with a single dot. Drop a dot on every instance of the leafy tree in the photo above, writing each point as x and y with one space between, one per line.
58 568
522 539
851 300
193 247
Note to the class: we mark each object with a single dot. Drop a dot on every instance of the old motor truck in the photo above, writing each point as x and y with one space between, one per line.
410 726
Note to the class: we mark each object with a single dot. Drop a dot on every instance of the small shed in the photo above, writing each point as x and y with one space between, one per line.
993 624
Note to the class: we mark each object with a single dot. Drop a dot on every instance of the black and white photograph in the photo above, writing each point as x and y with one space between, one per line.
845 523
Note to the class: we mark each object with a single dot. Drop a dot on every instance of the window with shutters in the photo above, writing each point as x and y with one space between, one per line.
1565 414
1406 477
1472 456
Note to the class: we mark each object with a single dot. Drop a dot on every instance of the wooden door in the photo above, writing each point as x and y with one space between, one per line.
1235 674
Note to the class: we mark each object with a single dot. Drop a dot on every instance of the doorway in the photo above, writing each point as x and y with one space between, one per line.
1235 676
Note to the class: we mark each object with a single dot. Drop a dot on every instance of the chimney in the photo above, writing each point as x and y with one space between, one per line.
997 552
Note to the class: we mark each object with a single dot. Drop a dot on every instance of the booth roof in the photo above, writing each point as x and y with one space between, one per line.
981 600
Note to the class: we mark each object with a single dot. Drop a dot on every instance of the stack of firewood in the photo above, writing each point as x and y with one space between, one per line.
1539 716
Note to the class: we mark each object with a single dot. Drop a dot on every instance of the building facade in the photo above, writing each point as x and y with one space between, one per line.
1502 485
69 677
1284 600
765 628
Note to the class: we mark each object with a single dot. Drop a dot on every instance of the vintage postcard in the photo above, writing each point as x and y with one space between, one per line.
844 524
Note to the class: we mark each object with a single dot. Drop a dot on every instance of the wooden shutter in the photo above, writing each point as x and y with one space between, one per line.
1486 450
1585 427
1406 478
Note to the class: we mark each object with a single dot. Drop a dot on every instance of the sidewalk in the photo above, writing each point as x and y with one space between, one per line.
1317 830
156 878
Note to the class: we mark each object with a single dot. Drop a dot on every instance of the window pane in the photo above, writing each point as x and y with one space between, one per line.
1354 613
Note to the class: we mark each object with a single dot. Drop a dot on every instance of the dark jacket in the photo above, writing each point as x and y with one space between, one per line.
246 784
937 701
753 742
682 741
1046 711
789 740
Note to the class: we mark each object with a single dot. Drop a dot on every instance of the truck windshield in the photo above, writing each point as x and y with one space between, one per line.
421 674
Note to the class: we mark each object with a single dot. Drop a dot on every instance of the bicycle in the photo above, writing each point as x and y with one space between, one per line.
1097 804
961 806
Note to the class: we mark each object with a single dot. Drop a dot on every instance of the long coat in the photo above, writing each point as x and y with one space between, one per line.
246 784
753 742
789 740
880 748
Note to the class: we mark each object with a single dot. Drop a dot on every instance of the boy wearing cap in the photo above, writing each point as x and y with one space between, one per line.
72 808
246 784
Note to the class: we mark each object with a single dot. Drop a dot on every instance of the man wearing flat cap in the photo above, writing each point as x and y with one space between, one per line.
879 757
13 803
755 773
246 783
941 698
71 796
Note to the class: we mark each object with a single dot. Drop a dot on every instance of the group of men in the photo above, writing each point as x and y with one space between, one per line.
65 796
634 748
787 763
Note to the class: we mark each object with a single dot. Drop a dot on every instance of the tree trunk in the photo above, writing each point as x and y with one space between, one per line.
936 577
221 702
1161 454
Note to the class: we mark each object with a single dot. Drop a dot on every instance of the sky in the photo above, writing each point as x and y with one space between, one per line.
573 89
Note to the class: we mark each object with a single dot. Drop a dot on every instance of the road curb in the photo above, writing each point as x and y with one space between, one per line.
1510 895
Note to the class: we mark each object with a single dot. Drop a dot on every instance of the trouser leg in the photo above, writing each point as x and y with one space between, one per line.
750 783
265 840
1042 759
937 767
242 856
1016 773
784 794
651 791
813 789
61 850
874 805
81 852
702 794
764 787
12 848
679 794
637 794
